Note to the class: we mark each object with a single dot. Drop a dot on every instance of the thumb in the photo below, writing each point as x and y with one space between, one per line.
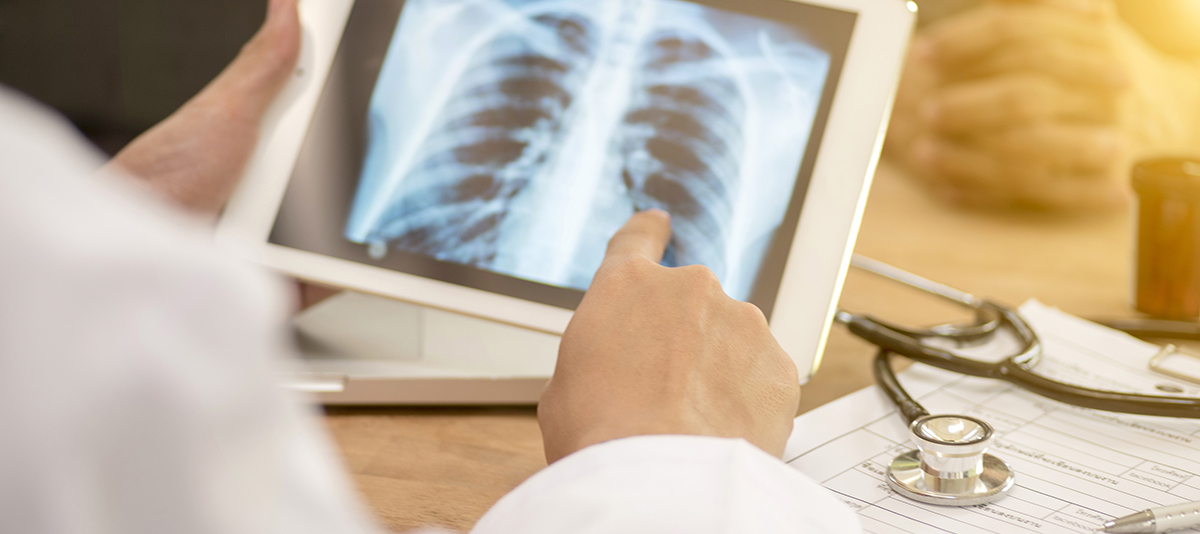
195 156
252 81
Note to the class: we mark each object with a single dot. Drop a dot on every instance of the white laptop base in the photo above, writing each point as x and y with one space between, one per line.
365 350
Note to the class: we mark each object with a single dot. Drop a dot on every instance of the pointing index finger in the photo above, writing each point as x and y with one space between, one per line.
645 235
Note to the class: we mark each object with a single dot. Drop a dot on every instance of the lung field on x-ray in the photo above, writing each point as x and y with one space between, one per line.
494 135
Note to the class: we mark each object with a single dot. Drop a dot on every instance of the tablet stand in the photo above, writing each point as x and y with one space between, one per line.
368 350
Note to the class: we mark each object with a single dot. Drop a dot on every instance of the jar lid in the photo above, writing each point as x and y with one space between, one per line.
1167 176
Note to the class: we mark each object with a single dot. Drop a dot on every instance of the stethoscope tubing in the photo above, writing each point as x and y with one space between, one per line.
909 408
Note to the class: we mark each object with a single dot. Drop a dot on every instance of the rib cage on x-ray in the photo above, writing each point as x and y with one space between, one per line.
495 133
678 144
681 144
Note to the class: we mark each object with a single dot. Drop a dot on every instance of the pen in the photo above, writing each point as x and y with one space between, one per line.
1155 520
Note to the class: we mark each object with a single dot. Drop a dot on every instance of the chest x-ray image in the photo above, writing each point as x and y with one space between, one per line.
518 136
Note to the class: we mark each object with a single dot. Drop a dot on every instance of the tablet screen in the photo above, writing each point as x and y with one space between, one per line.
499 144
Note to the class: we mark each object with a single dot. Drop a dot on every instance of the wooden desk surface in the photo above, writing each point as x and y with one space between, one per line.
446 467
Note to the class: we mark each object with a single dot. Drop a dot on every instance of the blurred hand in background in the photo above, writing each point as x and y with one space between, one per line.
195 157
1039 103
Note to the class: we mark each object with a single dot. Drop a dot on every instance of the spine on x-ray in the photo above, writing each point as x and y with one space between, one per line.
681 144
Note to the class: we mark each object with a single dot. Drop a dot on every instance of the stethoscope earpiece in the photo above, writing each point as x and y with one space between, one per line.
951 466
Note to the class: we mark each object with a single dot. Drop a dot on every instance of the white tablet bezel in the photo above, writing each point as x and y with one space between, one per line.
824 237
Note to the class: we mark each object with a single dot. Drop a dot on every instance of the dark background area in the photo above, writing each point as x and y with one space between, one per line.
116 67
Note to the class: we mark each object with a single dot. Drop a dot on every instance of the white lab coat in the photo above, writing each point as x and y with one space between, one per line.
136 393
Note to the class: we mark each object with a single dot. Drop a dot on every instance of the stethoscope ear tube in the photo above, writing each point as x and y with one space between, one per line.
1098 399
1014 370
883 336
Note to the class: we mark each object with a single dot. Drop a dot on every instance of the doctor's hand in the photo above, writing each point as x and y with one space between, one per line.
1017 103
658 350
195 157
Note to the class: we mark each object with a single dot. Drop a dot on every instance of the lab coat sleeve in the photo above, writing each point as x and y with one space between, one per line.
658 484
136 365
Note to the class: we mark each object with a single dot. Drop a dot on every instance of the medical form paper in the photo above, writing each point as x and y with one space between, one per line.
1076 468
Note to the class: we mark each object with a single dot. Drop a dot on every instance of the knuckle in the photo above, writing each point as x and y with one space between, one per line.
750 314
615 242
786 368
785 385
623 270
700 277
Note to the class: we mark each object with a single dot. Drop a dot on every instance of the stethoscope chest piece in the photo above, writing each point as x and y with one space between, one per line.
951 466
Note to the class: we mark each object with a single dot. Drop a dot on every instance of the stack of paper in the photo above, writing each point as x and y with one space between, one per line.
1076 468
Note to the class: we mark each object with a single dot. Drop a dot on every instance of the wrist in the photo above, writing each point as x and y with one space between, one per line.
560 444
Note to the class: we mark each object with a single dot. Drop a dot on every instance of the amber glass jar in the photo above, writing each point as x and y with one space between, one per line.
1168 237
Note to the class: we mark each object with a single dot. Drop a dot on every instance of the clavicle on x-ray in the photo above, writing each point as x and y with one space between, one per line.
549 123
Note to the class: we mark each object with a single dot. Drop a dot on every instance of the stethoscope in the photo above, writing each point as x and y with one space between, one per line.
951 465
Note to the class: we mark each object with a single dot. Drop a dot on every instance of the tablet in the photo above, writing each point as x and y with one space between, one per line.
475 156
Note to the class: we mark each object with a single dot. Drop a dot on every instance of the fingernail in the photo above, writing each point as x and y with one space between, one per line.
659 212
